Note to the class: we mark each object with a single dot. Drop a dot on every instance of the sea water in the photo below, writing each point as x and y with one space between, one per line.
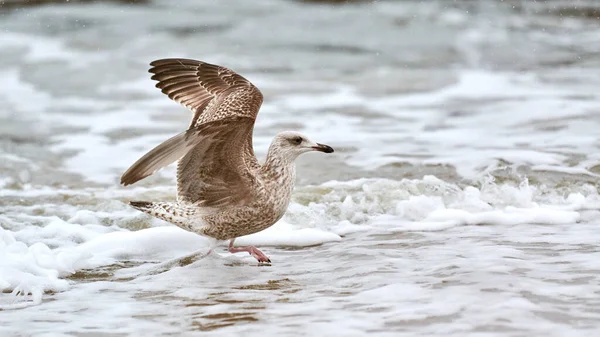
462 198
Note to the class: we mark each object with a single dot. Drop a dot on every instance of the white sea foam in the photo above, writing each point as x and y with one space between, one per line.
423 256
30 270
466 142
563 169
36 259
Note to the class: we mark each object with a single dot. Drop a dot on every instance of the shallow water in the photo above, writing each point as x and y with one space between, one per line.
462 198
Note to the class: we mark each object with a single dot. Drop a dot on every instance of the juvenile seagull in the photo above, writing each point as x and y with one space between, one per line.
222 190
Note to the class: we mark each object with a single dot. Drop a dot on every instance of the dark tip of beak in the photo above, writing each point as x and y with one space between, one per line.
323 148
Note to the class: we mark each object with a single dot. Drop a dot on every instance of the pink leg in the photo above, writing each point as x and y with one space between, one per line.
258 255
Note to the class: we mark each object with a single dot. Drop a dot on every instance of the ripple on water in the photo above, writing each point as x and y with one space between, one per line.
462 198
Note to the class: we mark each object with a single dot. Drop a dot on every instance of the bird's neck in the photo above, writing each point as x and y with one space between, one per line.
279 168
279 176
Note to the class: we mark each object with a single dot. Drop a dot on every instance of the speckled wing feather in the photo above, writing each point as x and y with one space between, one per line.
210 91
213 172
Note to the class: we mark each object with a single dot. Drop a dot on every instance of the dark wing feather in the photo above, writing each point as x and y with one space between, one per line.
163 155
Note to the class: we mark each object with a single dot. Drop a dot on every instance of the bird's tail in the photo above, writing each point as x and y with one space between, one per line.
181 215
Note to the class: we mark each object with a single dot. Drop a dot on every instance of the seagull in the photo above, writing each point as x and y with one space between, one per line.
223 192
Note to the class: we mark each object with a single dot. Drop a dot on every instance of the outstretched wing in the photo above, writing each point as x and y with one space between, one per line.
210 91
213 171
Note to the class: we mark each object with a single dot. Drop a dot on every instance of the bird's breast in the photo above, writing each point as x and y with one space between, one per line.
278 190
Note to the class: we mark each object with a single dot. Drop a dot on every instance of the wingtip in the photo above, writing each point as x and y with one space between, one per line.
155 64
126 180
129 178
181 60
158 62
152 68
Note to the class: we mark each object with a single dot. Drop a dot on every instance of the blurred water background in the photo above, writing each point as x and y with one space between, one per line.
462 199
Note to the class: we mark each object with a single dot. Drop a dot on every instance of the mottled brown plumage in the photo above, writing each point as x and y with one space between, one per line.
222 190
210 91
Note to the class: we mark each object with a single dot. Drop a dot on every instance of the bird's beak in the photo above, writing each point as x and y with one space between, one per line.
323 148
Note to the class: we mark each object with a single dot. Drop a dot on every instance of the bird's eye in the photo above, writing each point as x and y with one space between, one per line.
297 140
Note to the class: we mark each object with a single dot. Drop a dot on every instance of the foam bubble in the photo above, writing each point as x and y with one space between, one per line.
285 234
29 271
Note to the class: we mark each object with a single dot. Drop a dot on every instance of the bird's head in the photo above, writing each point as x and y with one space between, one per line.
291 144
